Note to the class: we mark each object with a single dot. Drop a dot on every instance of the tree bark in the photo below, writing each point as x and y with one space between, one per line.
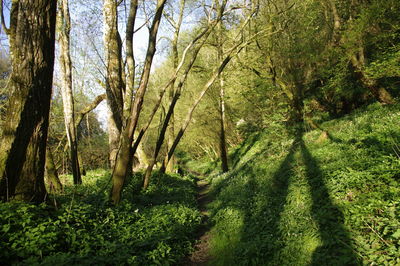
51 173
114 80
130 59
23 144
222 140
125 152
175 61
64 25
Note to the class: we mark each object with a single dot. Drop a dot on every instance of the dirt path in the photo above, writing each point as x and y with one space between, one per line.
201 254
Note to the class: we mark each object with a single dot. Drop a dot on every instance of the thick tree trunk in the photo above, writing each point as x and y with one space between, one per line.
114 80
125 152
64 25
23 144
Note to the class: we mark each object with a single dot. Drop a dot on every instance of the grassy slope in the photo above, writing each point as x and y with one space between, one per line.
155 227
312 198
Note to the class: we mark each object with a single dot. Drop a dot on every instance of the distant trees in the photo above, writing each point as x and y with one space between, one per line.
23 144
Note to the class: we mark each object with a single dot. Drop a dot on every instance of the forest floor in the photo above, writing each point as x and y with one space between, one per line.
201 254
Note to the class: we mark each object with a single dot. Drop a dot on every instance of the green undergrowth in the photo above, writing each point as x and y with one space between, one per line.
155 227
324 197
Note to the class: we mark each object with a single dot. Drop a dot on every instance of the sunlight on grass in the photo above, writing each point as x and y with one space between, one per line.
313 200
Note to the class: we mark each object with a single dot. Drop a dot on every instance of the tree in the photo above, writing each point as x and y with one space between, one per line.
23 144
64 24
114 75
222 138
233 51
125 151
178 90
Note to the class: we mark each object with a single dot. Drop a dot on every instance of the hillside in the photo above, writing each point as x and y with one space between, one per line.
328 196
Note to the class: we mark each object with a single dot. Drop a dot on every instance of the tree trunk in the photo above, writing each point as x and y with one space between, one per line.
130 59
297 103
222 140
114 81
125 152
64 25
51 173
23 144
175 58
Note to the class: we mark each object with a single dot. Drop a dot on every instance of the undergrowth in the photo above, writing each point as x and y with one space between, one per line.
155 227
326 197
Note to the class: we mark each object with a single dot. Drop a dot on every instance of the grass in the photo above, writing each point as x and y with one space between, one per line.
155 227
296 198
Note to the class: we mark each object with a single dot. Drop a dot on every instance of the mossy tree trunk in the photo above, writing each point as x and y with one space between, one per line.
64 27
23 144
51 173
114 80
125 152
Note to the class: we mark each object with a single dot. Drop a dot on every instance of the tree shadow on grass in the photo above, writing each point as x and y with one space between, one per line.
260 197
336 248
260 206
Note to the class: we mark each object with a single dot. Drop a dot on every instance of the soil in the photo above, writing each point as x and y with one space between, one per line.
201 254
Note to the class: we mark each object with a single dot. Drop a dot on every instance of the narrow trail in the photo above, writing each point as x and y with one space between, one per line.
201 255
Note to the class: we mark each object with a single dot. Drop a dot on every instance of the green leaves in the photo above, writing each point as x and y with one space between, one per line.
157 230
